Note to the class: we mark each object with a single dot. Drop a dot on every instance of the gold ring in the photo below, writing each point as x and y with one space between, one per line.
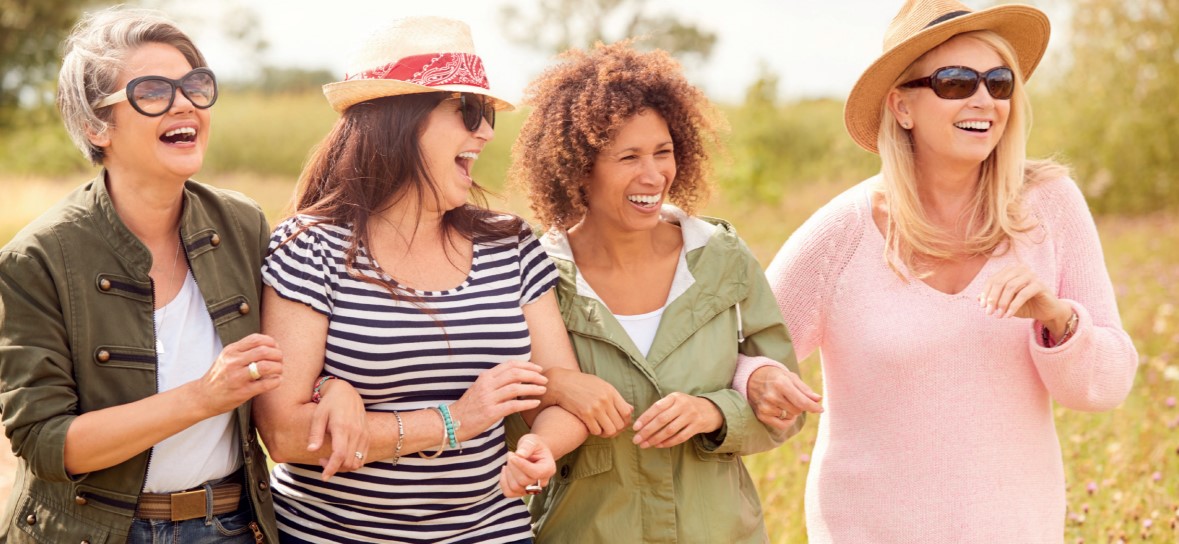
784 414
253 368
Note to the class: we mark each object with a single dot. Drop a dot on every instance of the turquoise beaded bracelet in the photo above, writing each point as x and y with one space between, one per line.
451 426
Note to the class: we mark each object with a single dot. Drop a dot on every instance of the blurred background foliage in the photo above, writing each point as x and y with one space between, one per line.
1104 104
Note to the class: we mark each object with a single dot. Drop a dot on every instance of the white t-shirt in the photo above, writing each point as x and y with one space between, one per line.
641 328
207 450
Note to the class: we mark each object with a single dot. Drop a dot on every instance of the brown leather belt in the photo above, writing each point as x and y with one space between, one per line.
191 504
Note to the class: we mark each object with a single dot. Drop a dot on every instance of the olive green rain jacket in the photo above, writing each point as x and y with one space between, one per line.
610 490
77 334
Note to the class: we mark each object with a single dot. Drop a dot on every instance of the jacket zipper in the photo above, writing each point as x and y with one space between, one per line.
156 342
155 333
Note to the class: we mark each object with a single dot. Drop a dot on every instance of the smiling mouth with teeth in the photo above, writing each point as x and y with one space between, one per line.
179 135
645 201
465 161
974 126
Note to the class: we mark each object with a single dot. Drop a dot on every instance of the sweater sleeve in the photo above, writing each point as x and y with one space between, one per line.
38 393
804 273
765 337
1094 369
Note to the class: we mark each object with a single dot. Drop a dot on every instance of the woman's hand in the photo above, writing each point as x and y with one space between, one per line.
496 394
341 415
778 396
531 464
593 400
229 382
673 419
1015 291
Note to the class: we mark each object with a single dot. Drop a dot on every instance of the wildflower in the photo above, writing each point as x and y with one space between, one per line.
1091 488
804 458
1170 402
1156 476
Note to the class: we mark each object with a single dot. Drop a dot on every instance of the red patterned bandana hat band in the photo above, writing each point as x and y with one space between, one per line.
432 70
413 55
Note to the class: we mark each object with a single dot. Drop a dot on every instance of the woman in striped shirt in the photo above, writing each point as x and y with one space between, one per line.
427 310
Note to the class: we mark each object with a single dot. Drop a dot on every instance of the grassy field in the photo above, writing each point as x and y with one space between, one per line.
1122 466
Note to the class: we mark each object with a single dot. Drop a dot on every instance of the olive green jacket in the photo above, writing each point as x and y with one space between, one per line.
610 490
77 334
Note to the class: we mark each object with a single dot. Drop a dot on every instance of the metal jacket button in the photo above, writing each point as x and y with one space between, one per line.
80 500
103 355
243 309
104 284
263 486
31 519
215 240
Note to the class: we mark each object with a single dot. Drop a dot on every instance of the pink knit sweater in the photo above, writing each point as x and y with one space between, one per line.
938 423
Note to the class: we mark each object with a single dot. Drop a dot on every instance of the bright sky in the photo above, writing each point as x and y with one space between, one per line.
816 47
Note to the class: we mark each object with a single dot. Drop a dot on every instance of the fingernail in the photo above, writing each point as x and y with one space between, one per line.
312 446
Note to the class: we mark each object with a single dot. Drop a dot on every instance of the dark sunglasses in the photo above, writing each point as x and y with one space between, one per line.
958 82
153 95
476 108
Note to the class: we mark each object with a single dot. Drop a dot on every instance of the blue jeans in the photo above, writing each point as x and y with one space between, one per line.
230 528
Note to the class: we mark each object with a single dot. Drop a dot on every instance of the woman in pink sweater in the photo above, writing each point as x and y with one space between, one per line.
952 297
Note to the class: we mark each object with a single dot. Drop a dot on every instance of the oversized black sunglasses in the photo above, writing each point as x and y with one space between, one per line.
958 82
153 95
476 108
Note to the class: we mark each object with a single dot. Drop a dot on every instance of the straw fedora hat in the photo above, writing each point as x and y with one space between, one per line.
413 55
922 25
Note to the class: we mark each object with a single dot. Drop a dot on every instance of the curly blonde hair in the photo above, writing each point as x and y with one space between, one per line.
579 105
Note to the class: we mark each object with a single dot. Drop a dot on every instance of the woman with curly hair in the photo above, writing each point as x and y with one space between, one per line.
658 304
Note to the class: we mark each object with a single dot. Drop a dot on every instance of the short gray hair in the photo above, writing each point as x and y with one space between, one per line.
95 52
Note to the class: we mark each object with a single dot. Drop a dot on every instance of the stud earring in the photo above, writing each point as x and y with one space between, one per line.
906 125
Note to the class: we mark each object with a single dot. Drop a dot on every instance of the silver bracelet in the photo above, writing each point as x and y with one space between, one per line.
400 438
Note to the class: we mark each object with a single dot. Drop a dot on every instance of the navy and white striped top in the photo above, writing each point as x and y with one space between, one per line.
399 357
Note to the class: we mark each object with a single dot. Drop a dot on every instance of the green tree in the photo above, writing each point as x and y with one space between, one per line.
557 25
1112 112
31 32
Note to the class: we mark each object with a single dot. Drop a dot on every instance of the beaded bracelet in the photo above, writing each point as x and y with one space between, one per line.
452 426
400 438
441 445
1070 328
316 395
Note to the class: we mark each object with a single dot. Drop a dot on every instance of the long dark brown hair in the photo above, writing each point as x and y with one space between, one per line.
371 160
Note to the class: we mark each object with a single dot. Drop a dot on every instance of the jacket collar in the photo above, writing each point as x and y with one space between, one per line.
711 260
695 231
196 228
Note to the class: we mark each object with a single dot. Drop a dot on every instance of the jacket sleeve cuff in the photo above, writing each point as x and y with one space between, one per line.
726 439
48 461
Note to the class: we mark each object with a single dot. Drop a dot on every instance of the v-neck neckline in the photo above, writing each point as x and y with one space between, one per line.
918 283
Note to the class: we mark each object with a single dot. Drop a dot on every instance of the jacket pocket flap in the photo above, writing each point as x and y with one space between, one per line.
591 459
41 522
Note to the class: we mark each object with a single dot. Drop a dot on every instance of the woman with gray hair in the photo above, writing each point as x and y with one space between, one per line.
128 324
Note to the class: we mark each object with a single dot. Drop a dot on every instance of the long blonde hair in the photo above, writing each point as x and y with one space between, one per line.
995 214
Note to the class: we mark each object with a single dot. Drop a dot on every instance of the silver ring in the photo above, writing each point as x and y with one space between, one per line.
533 489
359 455
253 368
